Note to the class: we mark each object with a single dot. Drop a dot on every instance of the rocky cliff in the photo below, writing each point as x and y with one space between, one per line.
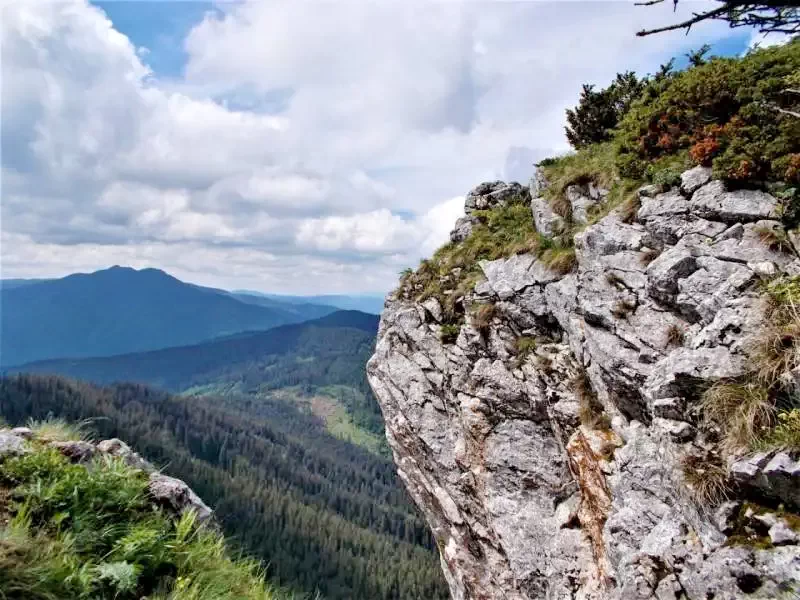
547 415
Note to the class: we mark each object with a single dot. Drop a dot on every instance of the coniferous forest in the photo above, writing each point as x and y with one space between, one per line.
324 515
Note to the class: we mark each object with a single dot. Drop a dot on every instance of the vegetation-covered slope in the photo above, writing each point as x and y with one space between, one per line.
123 310
92 531
319 364
324 514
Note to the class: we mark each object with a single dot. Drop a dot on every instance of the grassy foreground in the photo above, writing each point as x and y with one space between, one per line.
74 531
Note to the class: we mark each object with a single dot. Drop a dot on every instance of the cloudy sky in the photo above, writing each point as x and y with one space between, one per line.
287 146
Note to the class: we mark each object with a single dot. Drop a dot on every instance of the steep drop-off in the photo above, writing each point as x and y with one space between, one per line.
546 410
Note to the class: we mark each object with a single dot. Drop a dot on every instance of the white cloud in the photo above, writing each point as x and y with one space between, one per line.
356 121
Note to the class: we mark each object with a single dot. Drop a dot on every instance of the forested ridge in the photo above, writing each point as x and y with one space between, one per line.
323 514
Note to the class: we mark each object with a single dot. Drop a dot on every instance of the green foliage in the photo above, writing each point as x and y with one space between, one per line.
786 434
57 430
89 532
448 333
323 514
595 163
453 270
598 112
725 112
742 411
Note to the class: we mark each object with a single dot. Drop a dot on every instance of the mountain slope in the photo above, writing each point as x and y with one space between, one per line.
334 344
120 310
322 514
363 303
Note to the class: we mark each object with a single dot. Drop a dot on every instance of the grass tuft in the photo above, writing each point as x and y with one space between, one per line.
623 308
675 335
742 411
706 477
775 238
560 260
777 349
58 430
448 333
785 435
590 411
648 255
482 317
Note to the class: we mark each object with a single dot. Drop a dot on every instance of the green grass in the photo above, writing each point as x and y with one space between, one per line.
454 269
57 430
90 532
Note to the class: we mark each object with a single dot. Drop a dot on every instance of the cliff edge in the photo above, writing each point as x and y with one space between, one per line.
595 418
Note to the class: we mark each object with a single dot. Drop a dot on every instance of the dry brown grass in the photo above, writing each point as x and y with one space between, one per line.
706 477
775 238
674 336
629 208
559 260
623 308
482 317
613 279
648 255
742 411
590 411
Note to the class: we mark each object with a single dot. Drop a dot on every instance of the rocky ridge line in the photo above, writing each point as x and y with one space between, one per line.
524 500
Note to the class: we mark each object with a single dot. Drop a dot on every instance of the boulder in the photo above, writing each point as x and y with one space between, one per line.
77 451
177 497
11 445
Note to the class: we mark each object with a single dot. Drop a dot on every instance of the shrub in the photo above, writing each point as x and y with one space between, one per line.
598 112
524 345
725 113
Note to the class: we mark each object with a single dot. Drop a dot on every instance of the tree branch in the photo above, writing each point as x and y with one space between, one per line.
711 14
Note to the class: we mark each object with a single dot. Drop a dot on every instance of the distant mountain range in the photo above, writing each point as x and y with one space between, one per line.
286 355
363 303
120 310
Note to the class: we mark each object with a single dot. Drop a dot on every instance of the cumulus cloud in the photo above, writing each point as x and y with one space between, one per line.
307 146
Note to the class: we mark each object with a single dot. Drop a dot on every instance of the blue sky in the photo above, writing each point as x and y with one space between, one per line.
297 147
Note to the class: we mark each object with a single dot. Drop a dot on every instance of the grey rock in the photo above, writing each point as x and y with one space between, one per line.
525 501
775 475
432 306
24 432
118 448
490 194
714 202
538 183
547 222
693 179
11 445
463 229
780 533
174 495
581 199
77 451
650 191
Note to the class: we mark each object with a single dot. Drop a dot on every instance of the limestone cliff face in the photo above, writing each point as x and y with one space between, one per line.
523 499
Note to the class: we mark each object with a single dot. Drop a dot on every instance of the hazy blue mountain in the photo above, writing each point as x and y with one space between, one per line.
330 350
363 303
120 310
7 284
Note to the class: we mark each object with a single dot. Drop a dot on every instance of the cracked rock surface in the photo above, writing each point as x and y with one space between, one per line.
524 500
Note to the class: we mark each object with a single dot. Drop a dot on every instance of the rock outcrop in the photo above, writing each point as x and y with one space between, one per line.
525 498
170 493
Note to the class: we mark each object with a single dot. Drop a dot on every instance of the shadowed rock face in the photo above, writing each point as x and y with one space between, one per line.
524 501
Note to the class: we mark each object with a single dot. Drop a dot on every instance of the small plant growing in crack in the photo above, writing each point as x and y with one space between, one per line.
623 308
648 255
675 335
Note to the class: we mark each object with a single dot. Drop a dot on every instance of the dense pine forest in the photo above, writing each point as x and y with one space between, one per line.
323 514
